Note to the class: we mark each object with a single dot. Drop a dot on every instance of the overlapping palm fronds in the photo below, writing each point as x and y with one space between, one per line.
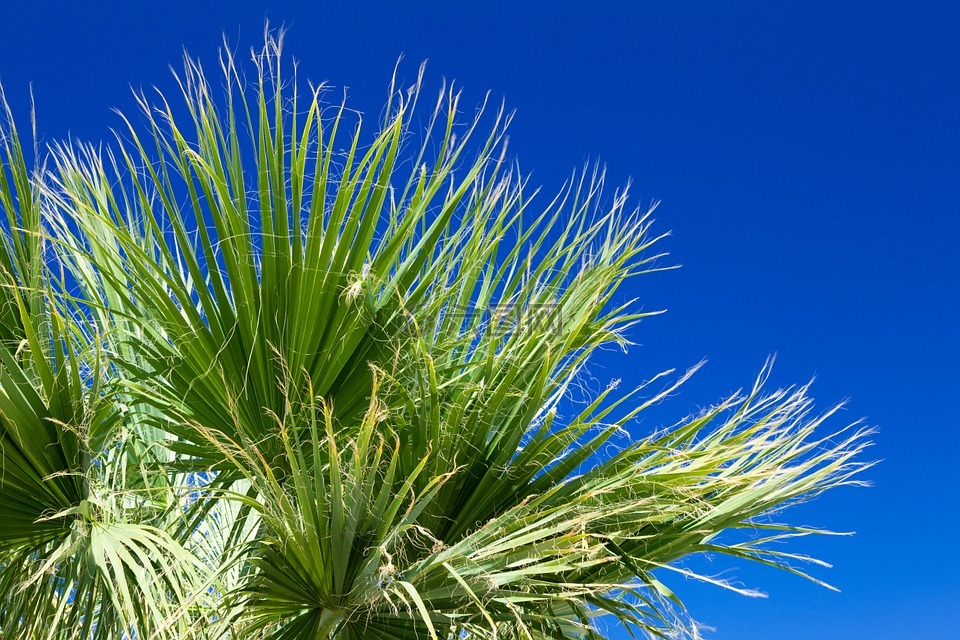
266 376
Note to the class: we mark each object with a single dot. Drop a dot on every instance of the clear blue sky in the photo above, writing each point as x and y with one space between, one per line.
808 160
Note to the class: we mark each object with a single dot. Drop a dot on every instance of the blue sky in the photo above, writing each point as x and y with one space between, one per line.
808 162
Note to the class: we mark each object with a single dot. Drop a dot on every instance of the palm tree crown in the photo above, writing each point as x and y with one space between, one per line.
264 377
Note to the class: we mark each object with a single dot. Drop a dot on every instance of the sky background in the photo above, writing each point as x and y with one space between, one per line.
808 162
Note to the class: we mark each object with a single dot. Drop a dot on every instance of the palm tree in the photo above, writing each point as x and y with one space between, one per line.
265 376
